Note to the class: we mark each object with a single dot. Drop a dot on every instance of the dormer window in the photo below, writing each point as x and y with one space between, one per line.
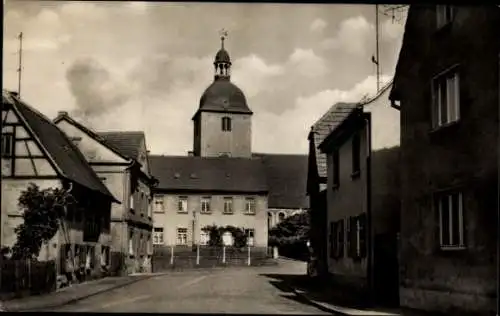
226 124
444 15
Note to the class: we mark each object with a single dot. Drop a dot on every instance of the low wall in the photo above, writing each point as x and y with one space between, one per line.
175 257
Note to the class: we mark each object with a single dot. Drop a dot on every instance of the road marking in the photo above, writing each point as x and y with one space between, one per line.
114 303
193 281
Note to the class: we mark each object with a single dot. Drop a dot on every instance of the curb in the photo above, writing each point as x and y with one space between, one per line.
334 309
74 300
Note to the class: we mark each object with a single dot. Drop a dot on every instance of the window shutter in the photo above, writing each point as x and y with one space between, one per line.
362 236
341 241
331 240
352 237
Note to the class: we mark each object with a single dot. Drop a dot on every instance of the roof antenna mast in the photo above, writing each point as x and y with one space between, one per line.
20 68
375 59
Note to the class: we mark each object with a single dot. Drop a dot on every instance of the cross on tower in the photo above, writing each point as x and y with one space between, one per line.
223 35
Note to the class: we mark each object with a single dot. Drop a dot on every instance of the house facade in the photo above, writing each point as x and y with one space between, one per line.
221 182
362 198
36 151
120 160
446 86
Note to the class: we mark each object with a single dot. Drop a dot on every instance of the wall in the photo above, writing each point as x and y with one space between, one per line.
214 141
171 219
349 199
461 155
274 213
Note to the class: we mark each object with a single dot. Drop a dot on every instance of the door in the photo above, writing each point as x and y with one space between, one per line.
386 269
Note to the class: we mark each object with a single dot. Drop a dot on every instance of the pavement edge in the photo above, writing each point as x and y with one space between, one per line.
314 303
74 300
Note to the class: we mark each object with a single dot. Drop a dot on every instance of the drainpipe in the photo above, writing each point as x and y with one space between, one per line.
369 226
498 189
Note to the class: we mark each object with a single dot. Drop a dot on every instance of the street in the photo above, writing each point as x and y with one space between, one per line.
231 290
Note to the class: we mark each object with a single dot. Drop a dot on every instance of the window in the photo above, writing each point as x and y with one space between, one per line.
149 207
227 239
250 206
7 144
181 236
226 124
158 204
131 242
182 204
451 221
205 205
356 232
337 239
228 205
281 217
356 154
269 220
336 169
158 235
204 238
444 15
446 98
250 234
131 201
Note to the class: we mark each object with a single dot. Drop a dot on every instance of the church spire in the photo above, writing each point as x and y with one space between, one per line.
222 62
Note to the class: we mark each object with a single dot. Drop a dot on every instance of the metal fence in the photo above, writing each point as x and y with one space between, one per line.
27 277
168 257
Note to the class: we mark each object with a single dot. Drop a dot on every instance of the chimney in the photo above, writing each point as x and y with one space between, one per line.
190 153
61 113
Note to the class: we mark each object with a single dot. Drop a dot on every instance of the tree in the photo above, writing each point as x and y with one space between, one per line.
215 234
42 212
291 235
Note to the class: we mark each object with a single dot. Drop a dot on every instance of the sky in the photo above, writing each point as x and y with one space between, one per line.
144 66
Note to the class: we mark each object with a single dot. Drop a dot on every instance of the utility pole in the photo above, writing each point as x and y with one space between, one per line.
498 192
20 69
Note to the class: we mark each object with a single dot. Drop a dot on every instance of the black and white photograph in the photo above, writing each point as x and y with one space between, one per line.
250 158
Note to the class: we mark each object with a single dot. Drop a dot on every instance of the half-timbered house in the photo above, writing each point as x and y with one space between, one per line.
35 150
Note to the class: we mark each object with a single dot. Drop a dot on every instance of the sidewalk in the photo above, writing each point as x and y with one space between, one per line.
71 294
324 299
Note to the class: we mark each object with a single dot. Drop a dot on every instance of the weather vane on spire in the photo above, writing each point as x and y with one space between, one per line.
223 35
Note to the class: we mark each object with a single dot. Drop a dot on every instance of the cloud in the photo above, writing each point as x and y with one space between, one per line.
254 75
306 63
391 30
318 25
352 36
271 129
94 89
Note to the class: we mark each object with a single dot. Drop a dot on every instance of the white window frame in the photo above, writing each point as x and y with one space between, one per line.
358 237
181 236
250 205
158 204
452 244
182 204
226 124
205 204
448 81
158 235
131 201
131 242
444 15
228 205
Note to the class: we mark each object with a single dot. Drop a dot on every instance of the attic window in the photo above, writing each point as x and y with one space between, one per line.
193 176
76 140
177 175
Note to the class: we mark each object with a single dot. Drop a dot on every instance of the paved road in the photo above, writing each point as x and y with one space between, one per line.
232 290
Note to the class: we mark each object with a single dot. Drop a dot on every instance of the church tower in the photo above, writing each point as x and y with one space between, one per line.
223 121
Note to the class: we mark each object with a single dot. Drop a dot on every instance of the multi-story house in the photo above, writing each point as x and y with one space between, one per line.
446 87
362 198
120 160
35 150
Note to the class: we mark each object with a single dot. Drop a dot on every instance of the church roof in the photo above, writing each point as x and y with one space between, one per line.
68 160
209 174
287 179
224 96
222 56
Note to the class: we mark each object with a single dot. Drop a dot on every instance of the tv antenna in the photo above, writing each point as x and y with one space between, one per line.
20 66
